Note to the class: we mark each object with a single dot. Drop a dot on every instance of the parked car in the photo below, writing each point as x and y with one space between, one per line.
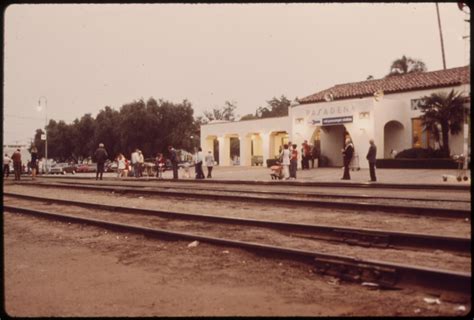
62 168
92 167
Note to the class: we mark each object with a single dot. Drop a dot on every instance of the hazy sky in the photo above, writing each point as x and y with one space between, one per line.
83 57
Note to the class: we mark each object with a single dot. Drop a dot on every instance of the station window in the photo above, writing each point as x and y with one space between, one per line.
415 103
421 139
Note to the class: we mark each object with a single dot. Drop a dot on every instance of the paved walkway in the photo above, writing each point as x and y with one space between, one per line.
403 176
395 176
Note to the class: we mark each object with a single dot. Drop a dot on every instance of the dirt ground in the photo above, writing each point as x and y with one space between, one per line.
62 269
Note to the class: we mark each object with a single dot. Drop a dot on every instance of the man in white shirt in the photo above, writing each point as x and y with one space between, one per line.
199 160
135 163
209 163
141 162
6 165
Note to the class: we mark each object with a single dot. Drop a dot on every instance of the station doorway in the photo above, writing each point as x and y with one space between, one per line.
329 141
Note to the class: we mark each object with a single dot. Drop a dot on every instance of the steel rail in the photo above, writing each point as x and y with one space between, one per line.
366 185
290 193
368 207
352 236
385 274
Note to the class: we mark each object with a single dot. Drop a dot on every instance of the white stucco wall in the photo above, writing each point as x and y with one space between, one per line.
304 119
262 128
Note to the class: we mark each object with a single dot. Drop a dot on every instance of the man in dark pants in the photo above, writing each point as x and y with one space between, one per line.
100 156
16 157
371 155
174 161
347 153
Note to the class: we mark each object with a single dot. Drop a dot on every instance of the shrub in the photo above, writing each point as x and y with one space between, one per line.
421 153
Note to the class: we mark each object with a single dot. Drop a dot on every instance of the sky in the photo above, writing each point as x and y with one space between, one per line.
74 59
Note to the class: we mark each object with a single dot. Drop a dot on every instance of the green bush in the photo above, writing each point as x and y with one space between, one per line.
421 153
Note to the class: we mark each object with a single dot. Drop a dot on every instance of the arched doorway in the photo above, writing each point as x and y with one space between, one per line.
277 140
330 140
256 149
212 144
393 133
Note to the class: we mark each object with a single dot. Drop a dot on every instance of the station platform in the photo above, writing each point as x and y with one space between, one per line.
257 174
384 176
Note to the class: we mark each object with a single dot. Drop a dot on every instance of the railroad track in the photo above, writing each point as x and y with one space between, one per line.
250 196
352 236
382 273
299 193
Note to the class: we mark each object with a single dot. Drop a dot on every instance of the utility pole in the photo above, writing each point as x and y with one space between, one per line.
441 36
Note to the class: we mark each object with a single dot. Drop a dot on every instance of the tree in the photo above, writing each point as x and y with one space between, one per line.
443 114
406 65
370 77
275 108
224 113
249 117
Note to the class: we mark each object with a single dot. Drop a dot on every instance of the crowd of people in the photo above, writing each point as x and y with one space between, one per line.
136 166
285 167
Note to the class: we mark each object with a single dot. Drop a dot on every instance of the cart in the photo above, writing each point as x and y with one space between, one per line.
354 164
461 173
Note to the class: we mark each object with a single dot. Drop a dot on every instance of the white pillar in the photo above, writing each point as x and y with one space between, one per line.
244 150
224 146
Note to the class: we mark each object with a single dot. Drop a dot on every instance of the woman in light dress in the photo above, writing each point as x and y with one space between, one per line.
285 161
121 165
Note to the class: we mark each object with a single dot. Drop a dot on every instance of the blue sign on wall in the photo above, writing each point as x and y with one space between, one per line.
337 120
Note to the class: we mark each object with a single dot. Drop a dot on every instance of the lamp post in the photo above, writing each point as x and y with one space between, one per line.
45 128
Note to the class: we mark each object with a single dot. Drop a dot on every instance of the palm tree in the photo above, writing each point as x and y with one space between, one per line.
406 65
443 114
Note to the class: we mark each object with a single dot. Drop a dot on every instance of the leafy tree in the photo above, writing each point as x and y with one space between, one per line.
224 113
406 65
83 136
40 144
443 114
107 130
275 108
249 117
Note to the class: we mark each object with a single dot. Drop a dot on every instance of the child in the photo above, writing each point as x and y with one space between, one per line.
276 171
186 167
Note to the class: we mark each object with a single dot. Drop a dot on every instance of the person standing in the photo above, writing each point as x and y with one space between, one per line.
371 155
6 165
100 156
285 157
141 163
293 161
16 157
135 163
34 162
209 163
174 161
160 165
306 154
347 154
121 165
199 160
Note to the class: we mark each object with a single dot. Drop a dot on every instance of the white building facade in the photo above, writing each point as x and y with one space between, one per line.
384 110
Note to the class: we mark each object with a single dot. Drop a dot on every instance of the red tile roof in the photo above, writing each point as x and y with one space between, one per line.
394 84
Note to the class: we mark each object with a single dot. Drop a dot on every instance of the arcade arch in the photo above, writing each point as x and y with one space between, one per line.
393 133
330 140
277 140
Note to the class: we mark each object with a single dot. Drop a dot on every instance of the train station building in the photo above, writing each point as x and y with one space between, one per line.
382 109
